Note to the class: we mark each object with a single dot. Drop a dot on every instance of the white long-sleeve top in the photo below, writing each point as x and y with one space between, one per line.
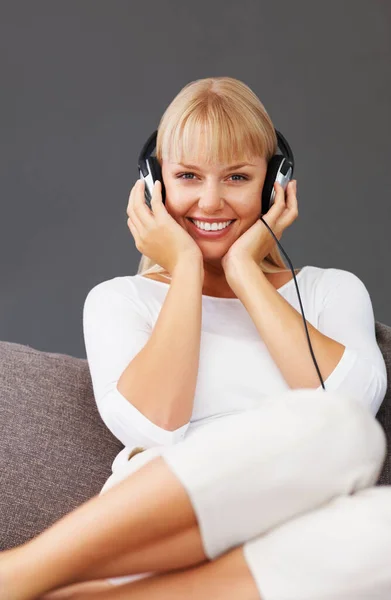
235 368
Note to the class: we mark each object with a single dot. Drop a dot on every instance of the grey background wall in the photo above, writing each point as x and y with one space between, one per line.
84 83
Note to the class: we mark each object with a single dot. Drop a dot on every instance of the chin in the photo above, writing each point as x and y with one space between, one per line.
213 254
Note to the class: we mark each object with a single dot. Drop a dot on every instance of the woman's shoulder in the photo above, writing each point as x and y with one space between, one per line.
124 286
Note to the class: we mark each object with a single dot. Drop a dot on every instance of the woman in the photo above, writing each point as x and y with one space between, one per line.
240 477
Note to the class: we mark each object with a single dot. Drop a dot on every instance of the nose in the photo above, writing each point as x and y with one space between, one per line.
210 200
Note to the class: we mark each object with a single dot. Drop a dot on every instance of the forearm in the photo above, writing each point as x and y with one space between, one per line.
281 328
161 380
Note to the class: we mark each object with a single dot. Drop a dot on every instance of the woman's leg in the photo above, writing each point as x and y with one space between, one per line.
179 551
340 551
148 506
226 578
179 554
235 479
252 471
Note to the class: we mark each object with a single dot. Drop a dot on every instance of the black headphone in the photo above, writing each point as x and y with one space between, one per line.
280 168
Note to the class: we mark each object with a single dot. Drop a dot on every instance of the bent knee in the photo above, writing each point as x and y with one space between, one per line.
351 429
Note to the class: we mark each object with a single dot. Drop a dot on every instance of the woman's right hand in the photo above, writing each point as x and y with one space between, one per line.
155 232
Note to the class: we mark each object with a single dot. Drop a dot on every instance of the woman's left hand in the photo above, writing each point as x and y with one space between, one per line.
257 241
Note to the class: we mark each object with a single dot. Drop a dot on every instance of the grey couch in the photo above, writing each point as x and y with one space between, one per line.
55 451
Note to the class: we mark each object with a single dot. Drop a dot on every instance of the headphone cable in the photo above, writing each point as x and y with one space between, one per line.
301 306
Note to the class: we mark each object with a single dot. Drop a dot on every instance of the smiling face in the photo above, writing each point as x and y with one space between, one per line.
217 191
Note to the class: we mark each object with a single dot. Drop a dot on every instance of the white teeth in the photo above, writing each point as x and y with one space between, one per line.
211 226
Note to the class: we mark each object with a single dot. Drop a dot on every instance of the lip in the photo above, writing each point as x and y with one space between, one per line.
209 220
210 234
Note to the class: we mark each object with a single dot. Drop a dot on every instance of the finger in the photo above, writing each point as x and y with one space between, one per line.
292 196
157 205
141 207
140 212
133 229
130 206
131 209
133 226
138 224
291 201
278 206
282 194
291 208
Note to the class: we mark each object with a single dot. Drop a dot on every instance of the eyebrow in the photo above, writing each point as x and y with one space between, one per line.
227 169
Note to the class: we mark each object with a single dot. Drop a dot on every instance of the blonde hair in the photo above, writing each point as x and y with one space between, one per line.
232 122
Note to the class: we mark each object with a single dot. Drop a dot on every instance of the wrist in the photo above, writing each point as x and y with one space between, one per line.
190 265
237 267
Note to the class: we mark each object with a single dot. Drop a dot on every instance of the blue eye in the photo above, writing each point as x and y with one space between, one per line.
182 176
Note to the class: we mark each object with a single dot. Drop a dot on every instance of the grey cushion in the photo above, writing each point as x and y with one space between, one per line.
55 451
383 337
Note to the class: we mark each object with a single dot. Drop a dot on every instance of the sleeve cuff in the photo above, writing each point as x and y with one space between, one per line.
346 363
133 428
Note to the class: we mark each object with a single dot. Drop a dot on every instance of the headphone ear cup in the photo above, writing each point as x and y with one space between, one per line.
156 173
268 192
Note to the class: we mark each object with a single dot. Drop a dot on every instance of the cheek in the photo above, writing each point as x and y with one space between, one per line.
177 210
177 203
248 211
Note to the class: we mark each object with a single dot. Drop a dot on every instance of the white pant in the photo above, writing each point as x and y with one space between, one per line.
283 473
341 551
